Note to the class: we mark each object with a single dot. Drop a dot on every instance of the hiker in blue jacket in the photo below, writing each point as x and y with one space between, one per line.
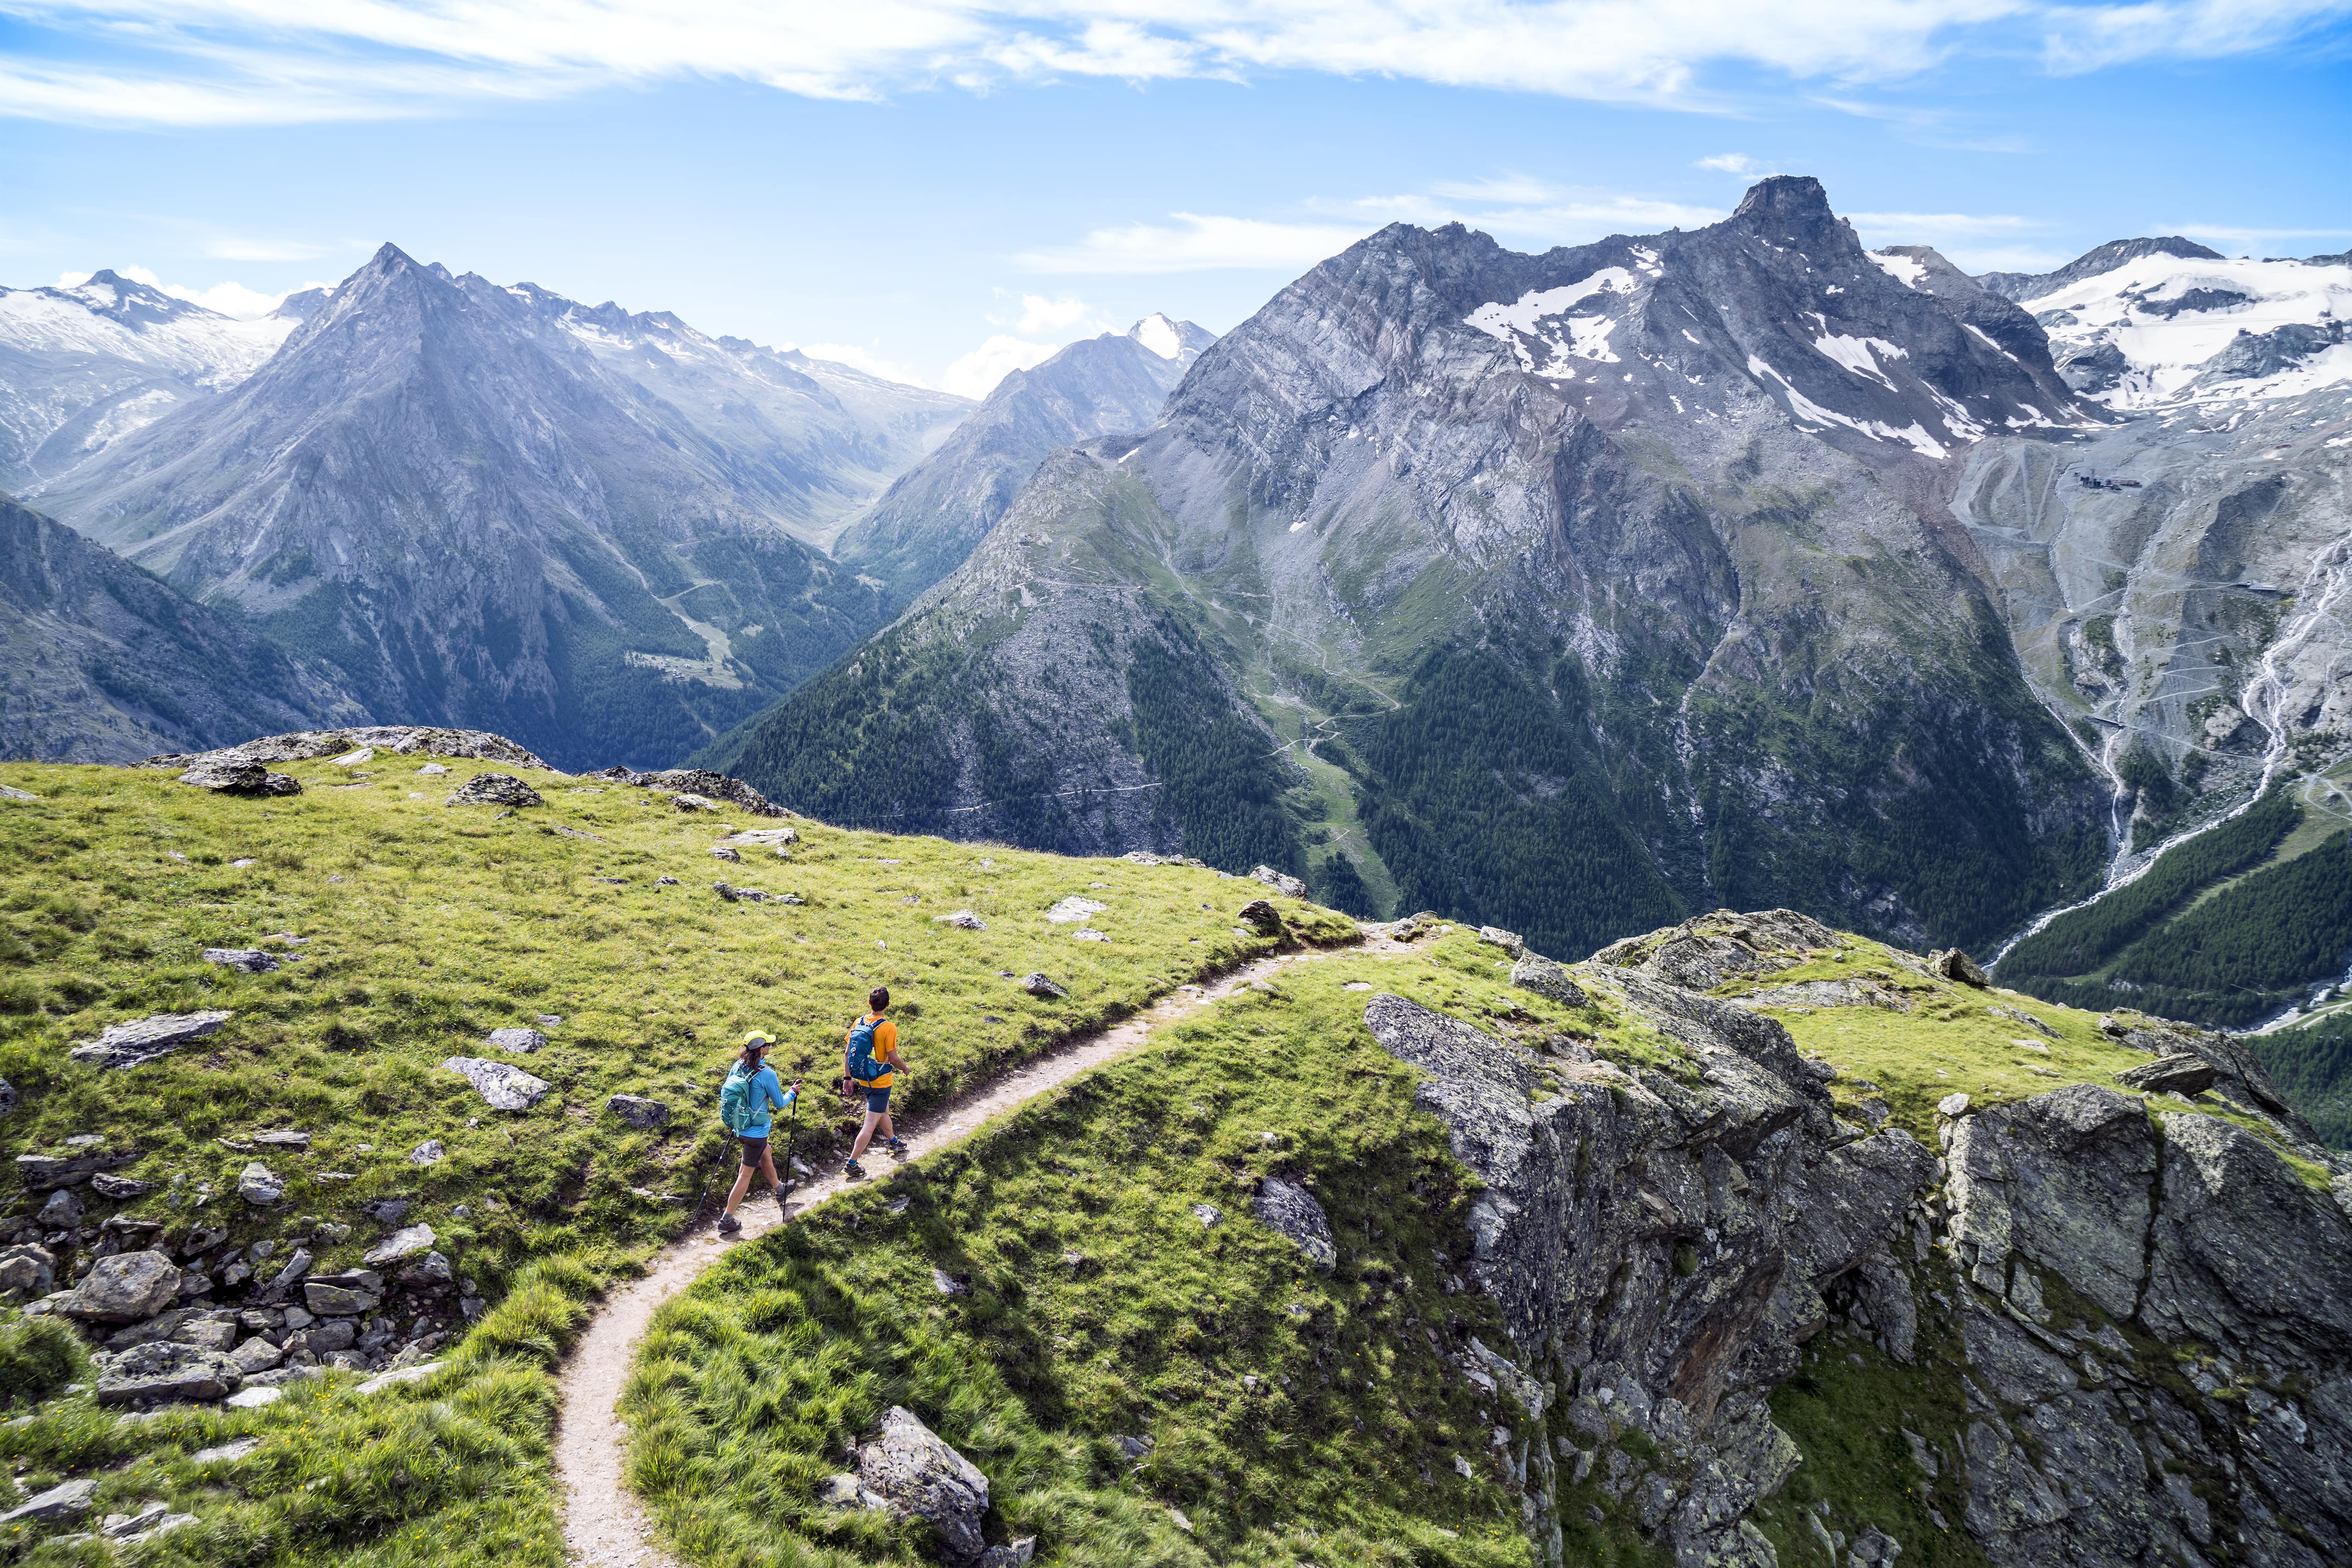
747 1105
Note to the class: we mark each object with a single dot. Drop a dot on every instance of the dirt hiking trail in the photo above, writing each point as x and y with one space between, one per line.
603 1524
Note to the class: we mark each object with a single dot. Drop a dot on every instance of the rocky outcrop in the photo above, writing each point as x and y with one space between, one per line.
400 739
1290 1211
703 785
495 789
907 1467
1668 1242
502 1084
2140 1308
128 1045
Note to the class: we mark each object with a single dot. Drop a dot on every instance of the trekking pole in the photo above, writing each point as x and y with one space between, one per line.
792 1131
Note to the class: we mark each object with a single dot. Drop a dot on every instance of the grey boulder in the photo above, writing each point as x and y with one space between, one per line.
962 920
245 959
917 1476
162 1369
1038 986
259 1187
1510 941
44 1173
119 1188
1539 974
522 1042
2180 1074
125 1287
505 1087
401 1245
1291 1211
636 1110
1282 882
61 1504
239 775
27 1270
1951 964
343 1295
128 1045
495 789
1263 915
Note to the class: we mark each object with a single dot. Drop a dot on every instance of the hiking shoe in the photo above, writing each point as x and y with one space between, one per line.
727 1222
854 1171
897 1146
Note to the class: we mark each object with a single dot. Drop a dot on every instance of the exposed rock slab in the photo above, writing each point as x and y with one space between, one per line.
918 1474
502 1084
128 1045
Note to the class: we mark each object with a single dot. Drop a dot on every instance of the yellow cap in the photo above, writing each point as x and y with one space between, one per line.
760 1038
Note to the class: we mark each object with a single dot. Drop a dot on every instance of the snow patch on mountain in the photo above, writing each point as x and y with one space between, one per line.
1584 337
1903 269
1854 354
1808 412
2161 328
120 320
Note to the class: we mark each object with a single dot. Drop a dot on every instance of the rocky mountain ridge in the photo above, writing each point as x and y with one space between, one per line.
930 519
2087 1306
1630 544
100 661
443 488
80 367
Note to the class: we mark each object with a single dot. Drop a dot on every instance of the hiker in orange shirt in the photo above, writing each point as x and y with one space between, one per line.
870 1060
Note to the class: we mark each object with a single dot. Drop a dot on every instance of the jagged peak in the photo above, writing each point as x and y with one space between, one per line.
1783 200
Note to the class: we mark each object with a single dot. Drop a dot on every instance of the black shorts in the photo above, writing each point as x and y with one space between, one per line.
754 1150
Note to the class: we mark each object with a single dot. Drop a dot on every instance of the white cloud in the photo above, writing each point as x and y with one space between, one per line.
1729 163
2232 234
975 374
865 359
1530 209
1040 315
1198 243
208 62
1918 227
2005 258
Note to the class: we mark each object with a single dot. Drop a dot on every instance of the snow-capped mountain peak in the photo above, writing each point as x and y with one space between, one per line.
2140 323
1171 340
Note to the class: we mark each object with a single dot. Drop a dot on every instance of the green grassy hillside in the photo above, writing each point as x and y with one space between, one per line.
1293 1416
423 927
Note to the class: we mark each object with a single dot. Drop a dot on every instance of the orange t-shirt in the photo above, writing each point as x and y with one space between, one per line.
886 1045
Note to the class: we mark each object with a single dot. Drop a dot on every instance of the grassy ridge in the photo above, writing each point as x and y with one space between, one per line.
429 926
2082 942
1295 1416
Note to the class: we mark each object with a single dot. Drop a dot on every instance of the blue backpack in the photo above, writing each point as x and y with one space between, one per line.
864 1065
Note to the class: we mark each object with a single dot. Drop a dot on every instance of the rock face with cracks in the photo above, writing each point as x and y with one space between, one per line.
2146 1310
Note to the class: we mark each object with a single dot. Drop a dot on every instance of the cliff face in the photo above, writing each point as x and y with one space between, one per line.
2089 1326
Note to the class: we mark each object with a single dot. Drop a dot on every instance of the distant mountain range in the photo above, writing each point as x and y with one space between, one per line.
1735 567
928 522
1742 566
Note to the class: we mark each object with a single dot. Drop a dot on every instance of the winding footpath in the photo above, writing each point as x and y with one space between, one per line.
603 1524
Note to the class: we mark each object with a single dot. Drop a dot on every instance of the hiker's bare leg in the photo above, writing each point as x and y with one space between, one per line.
742 1185
768 1169
889 1129
865 1135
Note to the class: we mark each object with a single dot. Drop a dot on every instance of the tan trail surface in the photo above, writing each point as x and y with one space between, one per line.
603 1524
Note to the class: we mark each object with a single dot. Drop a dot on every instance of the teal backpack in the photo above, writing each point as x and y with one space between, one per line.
737 1110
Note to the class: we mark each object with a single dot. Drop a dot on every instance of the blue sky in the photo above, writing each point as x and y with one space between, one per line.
945 190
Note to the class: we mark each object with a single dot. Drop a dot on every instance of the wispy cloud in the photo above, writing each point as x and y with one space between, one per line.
2234 233
975 374
232 249
1526 208
221 62
1198 242
1729 163
1919 227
